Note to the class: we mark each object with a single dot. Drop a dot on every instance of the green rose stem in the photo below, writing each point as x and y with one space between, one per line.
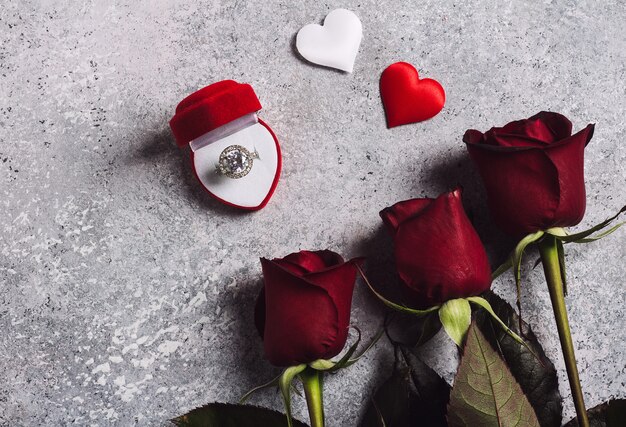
550 259
312 382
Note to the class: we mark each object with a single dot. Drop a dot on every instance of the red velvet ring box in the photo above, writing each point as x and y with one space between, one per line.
220 116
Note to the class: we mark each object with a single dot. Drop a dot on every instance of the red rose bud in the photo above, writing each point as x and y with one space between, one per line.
438 254
303 312
533 172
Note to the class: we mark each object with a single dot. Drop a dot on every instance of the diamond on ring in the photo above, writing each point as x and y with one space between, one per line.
236 161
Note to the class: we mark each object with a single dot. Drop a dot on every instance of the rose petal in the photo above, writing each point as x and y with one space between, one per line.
522 187
531 129
329 258
532 185
339 283
514 128
438 254
472 136
584 134
568 158
548 126
301 320
291 266
395 215
309 261
514 141
541 129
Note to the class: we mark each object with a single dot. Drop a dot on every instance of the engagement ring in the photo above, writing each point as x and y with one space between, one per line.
236 161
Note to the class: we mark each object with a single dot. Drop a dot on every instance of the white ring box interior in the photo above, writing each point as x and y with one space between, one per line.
251 190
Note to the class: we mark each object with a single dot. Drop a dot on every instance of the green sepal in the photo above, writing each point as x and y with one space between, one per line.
393 305
502 269
516 261
331 366
347 359
456 317
601 235
284 383
583 236
323 364
556 231
268 384
518 254
355 359
484 304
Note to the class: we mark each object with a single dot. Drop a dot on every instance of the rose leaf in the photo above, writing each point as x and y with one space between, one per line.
414 395
535 373
485 392
226 414
412 331
607 414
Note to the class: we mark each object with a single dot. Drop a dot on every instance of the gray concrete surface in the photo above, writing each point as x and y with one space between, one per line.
126 293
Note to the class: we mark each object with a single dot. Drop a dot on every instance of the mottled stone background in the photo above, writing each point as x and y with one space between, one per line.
126 294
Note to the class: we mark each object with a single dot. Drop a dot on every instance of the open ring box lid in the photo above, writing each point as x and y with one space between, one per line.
216 117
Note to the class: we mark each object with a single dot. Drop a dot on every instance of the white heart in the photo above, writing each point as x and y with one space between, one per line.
335 44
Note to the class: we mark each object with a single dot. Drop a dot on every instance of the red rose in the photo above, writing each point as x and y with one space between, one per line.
533 172
303 312
438 254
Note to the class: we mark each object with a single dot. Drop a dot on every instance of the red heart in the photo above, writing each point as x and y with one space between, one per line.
406 98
